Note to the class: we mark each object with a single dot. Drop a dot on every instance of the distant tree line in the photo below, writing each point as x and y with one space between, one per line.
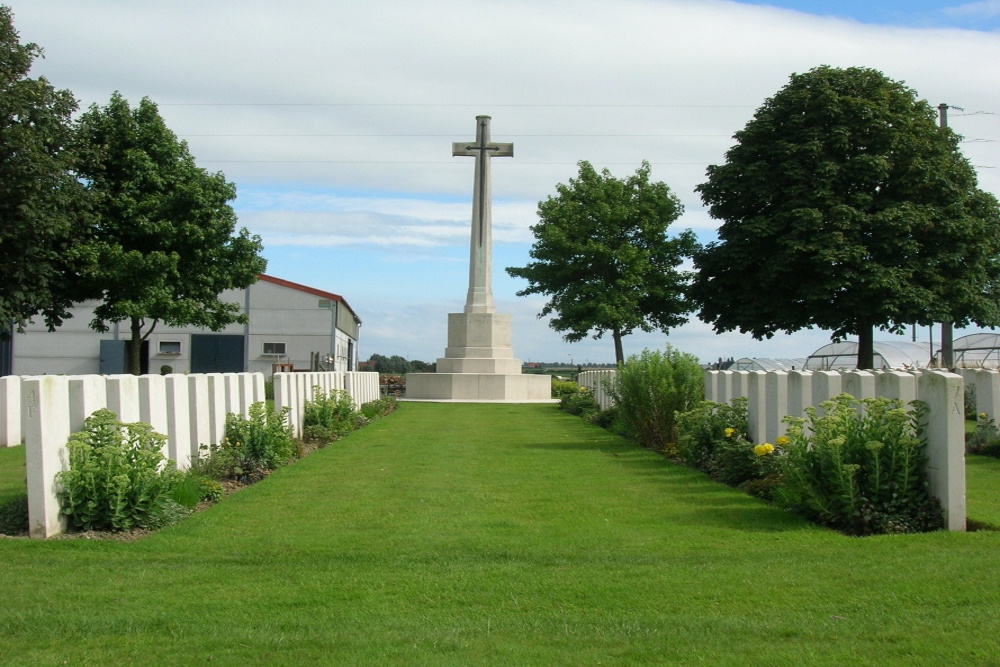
397 365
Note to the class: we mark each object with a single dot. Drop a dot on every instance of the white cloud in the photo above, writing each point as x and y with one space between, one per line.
975 10
336 119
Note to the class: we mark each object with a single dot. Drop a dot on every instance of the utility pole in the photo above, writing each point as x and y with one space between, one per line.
947 328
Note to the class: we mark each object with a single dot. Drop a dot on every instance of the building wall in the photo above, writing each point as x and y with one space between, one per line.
299 322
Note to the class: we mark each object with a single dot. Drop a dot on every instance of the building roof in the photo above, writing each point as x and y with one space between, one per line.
309 290
888 354
755 364
981 350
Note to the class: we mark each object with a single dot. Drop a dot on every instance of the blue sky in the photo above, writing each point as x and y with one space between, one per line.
335 120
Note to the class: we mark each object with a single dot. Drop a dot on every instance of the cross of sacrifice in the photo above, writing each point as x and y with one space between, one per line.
480 298
482 150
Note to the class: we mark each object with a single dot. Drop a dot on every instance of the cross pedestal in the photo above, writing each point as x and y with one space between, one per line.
479 363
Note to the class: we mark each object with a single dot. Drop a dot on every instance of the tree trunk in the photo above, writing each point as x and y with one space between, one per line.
619 353
866 346
135 348
947 346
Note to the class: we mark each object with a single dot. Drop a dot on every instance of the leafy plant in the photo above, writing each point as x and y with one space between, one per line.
328 417
985 440
580 403
609 419
187 489
860 467
561 388
169 513
211 490
255 445
118 478
713 438
378 408
651 388
701 430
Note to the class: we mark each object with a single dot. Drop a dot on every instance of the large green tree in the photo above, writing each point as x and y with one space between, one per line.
603 256
166 244
41 221
846 207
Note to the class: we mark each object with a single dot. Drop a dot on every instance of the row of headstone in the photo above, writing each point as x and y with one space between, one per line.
190 410
772 395
598 383
986 384
294 390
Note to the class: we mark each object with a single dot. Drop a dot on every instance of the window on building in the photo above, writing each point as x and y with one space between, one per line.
169 347
274 349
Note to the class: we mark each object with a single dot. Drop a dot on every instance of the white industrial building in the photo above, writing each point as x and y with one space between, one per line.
291 327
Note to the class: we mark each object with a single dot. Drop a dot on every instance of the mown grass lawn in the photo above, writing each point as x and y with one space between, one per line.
498 535
12 473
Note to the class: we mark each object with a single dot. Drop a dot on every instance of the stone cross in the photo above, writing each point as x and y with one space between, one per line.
480 297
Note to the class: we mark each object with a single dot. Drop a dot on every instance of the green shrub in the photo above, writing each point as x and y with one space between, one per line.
187 489
608 419
860 468
563 388
211 465
580 403
211 490
713 438
255 445
651 388
117 479
985 440
702 429
169 513
378 408
328 417
14 515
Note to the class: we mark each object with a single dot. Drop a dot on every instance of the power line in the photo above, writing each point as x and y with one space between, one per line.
439 162
437 136
417 104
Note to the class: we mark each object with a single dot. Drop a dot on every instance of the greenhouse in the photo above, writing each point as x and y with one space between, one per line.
981 350
747 364
899 355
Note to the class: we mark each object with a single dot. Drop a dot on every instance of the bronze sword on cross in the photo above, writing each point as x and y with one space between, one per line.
482 150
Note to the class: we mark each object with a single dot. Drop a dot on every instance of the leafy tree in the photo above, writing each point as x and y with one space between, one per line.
846 207
604 258
394 365
40 200
165 230
417 366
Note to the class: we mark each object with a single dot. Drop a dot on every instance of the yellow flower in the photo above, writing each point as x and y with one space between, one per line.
763 450
730 432
781 440
982 415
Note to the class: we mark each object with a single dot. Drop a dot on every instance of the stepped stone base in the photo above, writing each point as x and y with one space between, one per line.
478 387
478 365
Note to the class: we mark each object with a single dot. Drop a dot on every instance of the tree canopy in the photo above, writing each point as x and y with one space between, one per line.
165 240
41 202
846 207
604 258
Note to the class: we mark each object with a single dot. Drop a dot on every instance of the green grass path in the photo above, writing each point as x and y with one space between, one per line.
498 535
